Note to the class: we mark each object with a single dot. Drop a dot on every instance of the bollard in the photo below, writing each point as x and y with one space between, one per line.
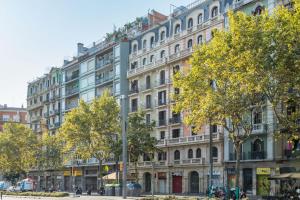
1 195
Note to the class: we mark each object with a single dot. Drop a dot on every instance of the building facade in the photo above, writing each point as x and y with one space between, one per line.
103 66
156 55
12 114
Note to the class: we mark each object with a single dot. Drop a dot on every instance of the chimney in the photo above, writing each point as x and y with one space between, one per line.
80 48
5 105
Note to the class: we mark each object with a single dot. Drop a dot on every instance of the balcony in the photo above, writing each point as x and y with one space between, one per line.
35 118
191 161
74 76
160 103
104 63
239 3
72 91
46 114
182 54
46 100
51 113
104 80
260 128
57 124
34 106
138 70
162 123
251 155
175 120
195 139
71 106
133 91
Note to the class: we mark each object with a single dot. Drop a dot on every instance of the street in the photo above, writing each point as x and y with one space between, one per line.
66 198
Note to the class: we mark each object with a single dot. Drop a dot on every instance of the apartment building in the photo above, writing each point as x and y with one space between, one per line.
156 54
96 68
43 102
12 114
262 155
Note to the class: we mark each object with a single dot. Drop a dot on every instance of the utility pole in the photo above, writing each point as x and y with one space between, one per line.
210 159
124 146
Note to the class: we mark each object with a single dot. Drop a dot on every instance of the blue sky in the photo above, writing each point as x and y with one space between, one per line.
38 34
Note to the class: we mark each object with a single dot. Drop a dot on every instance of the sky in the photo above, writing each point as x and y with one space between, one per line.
38 34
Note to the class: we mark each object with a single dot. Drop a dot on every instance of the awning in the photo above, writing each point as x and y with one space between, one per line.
113 176
293 175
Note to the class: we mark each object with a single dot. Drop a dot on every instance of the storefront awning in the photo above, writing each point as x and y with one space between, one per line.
293 175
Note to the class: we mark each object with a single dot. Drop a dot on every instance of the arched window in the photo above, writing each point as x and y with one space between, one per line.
176 48
257 117
198 153
134 47
151 58
152 42
177 155
190 23
214 152
190 43
144 44
162 54
190 153
177 28
199 39
176 69
200 18
146 157
144 61
162 35
258 10
214 12
258 145
148 82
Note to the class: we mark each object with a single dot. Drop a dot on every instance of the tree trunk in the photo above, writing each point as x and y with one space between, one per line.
237 169
136 172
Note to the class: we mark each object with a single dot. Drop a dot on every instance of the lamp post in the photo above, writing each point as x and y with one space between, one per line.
124 146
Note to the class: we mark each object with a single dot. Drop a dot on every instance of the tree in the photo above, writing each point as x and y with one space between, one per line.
18 147
139 138
254 62
90 129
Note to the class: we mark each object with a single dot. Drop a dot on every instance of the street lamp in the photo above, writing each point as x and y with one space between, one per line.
124 145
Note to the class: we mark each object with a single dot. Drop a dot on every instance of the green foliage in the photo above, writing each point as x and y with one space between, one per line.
18 148
90 130
254 62
50 154
139 138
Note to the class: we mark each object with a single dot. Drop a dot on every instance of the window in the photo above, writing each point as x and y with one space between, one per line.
162 54
162 77
144 44
162 98
193 131
176 91
162 135
117 51
176 48
177 155
198 153
134 65
258 10
214 128
148 101
134 86
117 88
175 133
200 18
144 61
117 70
152 42
176 69
190 43
190 153
177 28
146 157
258 145
151 58
135 48
148 118
134 105
214 12
148 82
162 156
199 39
89 81
162 118
5 118
162 35
88 96
257 118
214 152
190 23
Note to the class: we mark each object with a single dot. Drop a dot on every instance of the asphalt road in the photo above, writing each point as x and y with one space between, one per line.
67 198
